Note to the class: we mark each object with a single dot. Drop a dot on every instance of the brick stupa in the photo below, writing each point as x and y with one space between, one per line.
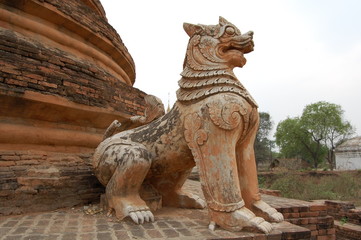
65 75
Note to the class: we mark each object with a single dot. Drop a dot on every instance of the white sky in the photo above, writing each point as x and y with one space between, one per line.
305 50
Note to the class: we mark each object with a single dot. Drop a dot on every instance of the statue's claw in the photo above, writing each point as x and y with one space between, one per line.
109 212
260 224
140 217
145 216
134 217
262 209
148 216
212 226
151 216
277 217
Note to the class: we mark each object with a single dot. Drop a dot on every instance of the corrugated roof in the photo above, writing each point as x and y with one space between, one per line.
351 145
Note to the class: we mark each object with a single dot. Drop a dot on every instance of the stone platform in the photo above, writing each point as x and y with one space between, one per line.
74 223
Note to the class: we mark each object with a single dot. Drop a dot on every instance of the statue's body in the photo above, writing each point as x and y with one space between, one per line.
212 125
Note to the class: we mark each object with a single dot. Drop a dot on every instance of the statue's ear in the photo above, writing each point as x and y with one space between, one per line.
223 21
191 29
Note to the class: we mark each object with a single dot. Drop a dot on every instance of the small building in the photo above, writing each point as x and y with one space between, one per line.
348 155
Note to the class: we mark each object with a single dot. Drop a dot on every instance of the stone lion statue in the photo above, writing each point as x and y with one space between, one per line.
212 125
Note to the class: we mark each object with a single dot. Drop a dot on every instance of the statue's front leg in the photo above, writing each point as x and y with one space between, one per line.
213 149
247 168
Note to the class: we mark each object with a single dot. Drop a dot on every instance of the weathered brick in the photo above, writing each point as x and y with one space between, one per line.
16 82
34 76
314 208
6 192
47 84
328 237
26 162
314 232
74 85
7 163
309 214
10 70
9 157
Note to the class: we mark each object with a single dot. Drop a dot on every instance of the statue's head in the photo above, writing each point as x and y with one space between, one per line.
222 44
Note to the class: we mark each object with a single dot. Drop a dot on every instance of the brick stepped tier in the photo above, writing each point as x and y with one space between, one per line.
347 231
347 219
311 215
65 75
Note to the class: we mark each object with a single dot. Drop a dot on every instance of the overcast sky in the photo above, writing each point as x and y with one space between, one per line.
305 50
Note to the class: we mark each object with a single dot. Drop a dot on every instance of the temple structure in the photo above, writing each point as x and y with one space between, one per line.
348 155
65 75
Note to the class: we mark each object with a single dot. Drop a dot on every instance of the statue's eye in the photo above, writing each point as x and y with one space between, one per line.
230 30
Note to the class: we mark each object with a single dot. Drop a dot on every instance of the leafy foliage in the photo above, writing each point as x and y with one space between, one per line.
295 141
263 144
315 134
325 124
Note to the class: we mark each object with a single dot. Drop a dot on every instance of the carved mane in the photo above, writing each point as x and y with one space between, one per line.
204 72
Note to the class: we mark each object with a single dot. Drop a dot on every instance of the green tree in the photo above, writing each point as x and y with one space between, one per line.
325 124
315 134
295 142
263 145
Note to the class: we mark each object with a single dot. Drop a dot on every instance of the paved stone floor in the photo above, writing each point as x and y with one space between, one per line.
74 223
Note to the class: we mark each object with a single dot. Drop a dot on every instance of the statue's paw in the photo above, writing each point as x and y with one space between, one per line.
238 220
262 209
276 217
261 225
110 212
247 218
183 199
139 216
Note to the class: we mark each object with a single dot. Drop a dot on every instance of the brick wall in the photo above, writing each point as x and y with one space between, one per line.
28 65
32 181
59 90
310 215
313 217
344 210
348 224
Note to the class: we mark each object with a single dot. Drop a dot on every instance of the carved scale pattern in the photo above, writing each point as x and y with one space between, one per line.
198 94
187 83
192 74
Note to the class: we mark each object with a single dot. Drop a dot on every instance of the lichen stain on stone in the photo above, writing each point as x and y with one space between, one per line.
152 132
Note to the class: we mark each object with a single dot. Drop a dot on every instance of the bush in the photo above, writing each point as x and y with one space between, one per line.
343 186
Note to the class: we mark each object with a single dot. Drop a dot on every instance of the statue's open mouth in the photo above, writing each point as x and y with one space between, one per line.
243 43
244 46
